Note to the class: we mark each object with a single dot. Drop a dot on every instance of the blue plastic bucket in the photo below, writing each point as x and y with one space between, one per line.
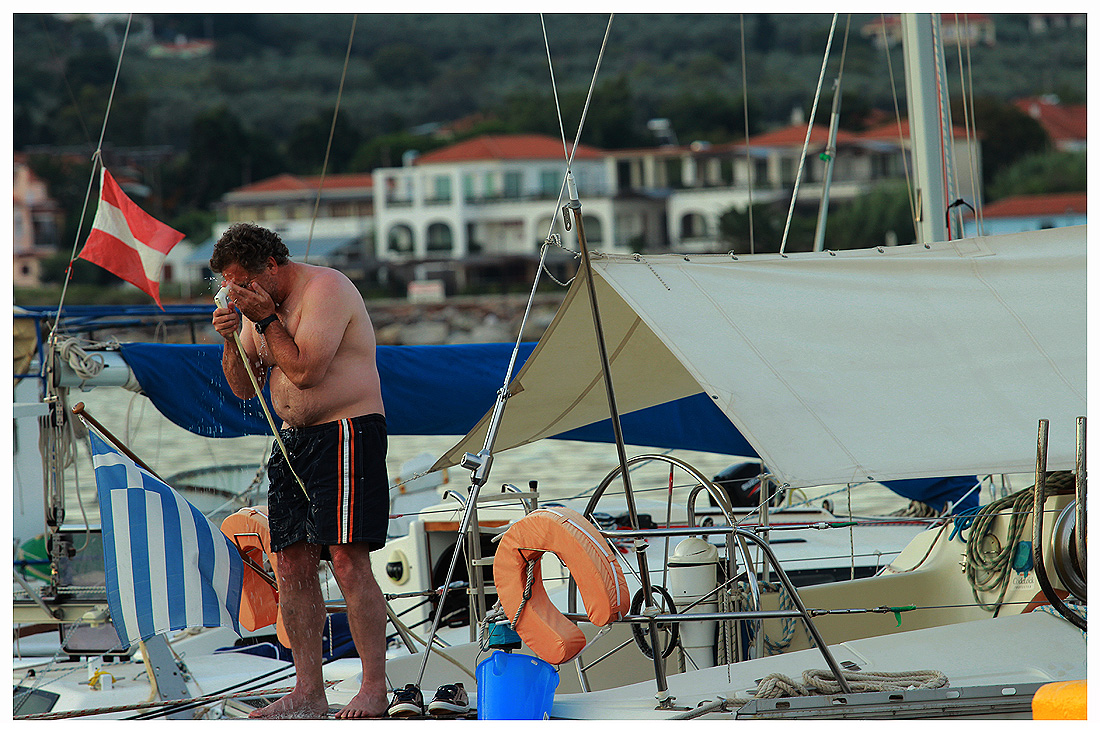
515 687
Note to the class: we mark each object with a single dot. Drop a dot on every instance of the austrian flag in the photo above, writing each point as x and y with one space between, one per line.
126 241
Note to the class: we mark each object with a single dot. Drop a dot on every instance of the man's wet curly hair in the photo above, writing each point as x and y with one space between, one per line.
249 246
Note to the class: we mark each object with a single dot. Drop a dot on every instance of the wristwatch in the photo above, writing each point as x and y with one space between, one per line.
263 323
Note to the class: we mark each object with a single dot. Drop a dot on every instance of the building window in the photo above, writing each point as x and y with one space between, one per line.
400 239
512 184
440 238
441 189
593 229
549 182
693 225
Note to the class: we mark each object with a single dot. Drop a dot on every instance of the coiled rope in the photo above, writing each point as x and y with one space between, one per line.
823 682
988 564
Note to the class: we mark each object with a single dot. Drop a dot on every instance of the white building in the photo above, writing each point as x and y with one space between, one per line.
498 195
485 206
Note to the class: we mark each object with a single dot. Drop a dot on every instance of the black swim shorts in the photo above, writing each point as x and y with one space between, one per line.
343 467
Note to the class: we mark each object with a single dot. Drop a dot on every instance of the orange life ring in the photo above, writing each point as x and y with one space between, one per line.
591 562
248 529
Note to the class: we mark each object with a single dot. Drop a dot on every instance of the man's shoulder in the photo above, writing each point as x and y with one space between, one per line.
318 276
330 284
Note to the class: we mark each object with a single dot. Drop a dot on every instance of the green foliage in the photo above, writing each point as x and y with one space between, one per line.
305 151
1050 172
762 231
55 268
706 115
1007 134
223 155
194 224
868 220
402 64
385 151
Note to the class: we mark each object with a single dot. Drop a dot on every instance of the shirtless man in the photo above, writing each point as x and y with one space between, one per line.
307 331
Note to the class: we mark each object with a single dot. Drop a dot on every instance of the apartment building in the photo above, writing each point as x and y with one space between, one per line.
491 201
498 195
341 235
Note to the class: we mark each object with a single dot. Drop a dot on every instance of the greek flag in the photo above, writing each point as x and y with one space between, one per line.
168 567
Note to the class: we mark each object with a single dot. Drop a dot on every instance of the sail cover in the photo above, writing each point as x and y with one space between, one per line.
890 363
427 390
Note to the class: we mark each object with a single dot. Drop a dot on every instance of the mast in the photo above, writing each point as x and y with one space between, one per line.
929 123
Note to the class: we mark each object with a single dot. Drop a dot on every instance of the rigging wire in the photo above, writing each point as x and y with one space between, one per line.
748 145
809 131
569 153
911 194
965 69
97 157
331 134
944 116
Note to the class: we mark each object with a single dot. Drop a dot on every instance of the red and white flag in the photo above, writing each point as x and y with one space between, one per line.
126 241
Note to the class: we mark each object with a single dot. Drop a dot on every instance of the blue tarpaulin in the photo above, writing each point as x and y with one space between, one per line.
445 390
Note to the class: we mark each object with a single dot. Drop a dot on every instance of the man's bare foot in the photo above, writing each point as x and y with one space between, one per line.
294 706
365 705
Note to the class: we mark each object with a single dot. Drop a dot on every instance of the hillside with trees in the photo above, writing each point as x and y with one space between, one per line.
257 96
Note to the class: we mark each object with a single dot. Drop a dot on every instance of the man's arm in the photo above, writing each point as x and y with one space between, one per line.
226 322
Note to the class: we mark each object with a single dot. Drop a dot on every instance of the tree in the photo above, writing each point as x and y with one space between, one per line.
305 151
385 151
1007 134
221 156
1053 172
867 221
763 230
402 64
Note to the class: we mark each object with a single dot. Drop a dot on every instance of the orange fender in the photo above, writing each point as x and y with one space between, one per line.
1061 701
248 529
591 562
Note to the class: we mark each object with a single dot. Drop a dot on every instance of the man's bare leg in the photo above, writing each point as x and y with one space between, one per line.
303 610
367 621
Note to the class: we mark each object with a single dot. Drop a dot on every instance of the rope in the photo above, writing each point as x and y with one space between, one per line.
97 156
966 69
193 702
897 116
786 603
988 570
748 151
331 134
526 590
823 682
809 130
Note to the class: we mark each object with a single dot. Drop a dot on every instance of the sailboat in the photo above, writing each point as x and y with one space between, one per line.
835 381
836 367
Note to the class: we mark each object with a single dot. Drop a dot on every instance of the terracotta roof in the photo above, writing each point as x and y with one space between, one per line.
796 135
947 19
1052 204
507 147
289 182
1069 122
888 131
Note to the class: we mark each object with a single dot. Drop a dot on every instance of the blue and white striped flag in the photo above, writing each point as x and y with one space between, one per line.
168 567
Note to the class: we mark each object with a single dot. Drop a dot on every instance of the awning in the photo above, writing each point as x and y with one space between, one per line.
889 363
